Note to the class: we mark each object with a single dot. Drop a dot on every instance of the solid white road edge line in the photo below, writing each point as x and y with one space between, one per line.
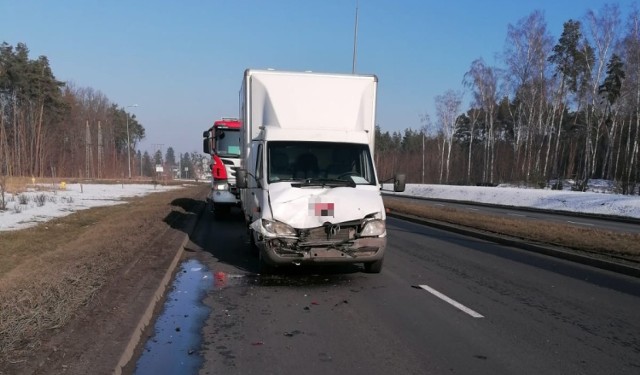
451 301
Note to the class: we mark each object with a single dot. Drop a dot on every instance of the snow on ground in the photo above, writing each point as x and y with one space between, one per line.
34 206
60 202
597 200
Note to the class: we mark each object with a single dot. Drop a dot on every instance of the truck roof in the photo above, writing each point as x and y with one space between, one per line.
230 123
310 100
249 72
314 135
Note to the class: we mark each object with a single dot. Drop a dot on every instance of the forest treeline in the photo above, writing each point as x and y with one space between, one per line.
549 110
53 128
50 128
552 110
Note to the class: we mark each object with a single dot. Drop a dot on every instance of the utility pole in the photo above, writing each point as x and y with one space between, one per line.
100 150
88 160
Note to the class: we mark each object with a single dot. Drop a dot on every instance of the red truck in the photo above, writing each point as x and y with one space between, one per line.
222 142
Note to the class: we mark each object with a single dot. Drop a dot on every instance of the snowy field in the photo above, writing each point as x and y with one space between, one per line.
597 200
32 207
35 206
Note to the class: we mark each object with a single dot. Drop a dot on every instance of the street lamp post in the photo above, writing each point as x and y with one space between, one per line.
128 140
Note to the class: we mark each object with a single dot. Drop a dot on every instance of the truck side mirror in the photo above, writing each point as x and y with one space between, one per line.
241 178
399 182
205 146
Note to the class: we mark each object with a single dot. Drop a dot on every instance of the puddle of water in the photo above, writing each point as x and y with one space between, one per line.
174 347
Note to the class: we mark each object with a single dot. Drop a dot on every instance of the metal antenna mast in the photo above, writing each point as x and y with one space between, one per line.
355 41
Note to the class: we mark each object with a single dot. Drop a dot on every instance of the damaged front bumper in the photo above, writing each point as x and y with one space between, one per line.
336 243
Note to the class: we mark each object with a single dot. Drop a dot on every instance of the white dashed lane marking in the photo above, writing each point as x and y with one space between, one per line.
451 301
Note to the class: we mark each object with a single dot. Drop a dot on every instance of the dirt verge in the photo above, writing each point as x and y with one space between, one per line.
72 302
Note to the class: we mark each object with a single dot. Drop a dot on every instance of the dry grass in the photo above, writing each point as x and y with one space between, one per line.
568 236
48 272
16 185
22 246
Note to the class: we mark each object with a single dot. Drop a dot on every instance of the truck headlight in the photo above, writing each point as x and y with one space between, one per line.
221 186
373 228
278 228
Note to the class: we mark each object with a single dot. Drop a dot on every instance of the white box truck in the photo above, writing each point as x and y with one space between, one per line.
309 189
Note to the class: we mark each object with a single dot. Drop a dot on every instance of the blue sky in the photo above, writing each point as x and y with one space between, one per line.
182 61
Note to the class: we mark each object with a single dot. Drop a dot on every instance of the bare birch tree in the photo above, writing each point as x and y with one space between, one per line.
447 111
630 51
603 31
526 49
483 82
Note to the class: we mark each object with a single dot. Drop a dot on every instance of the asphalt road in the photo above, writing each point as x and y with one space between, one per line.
584 221
444 303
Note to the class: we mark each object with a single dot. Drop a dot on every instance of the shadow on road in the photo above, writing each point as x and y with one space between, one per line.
184 220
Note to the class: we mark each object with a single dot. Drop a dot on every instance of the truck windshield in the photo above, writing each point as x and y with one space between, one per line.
228 143
321 162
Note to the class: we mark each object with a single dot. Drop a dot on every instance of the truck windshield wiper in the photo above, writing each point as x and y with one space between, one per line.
330 182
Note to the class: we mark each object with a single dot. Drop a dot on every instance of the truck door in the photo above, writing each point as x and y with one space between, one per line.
255 185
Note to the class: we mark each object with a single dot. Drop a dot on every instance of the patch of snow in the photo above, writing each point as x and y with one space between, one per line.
34 206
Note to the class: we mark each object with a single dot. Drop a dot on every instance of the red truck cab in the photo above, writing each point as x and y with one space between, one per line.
222 143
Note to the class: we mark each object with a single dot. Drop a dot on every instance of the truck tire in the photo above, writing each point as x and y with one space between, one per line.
373 267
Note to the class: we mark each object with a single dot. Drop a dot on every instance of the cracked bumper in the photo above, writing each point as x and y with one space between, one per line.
285 251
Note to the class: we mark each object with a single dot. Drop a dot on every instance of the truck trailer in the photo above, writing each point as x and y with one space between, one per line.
309 189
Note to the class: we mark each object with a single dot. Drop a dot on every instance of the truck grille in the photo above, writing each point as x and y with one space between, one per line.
330 233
